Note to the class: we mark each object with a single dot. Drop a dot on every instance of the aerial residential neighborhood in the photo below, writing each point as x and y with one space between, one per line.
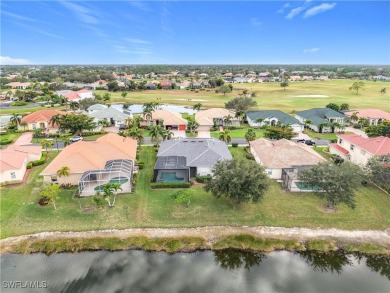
195 146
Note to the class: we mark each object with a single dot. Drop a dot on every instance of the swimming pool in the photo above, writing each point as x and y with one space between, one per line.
120 180
170 177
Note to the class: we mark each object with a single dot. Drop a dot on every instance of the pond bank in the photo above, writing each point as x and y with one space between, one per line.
263 239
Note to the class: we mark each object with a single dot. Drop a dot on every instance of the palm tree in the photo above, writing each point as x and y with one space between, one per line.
155 132
148 107
109 190
354 116
136 121
259 120
24 124
74 105
321 126
363 121
66 141
46 143
135 133
15 119
227 120
64 171
129 122
335 125
197 106
240 115
225 136
167 134
192 125
308 122
55 119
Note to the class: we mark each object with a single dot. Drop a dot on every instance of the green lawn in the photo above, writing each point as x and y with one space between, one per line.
7 136
25 110
240 133
271 96
323 151
155 208
238 152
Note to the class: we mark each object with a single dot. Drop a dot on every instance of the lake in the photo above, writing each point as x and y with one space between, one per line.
202 271
137 108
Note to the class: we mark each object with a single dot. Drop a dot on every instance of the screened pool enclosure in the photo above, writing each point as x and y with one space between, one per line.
115 171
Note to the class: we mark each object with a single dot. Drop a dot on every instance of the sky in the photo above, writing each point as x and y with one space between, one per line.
195 32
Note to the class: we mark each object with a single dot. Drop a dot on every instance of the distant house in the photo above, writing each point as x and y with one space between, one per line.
358 149
228 74
283 159
183 85
181 159
93 163
18 85
170 120
295 78
77 96
14 160
321 115
41 119
215 116
150 86
166 84
273 118
242 80
95 108
111 115
4 122
203 75
374 116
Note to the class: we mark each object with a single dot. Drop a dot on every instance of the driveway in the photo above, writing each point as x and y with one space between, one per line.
204 133
111 129
179 133
24 139
356 131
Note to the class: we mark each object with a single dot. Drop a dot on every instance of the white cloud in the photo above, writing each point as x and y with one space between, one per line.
140 5
256 22
38 30
84 14
137 41
311 51
281 10
319 9
19 17
6 60
294 12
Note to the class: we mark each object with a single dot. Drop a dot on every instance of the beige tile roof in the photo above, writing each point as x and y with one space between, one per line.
13 157
206 117
284 153
41 115
169 118
83 155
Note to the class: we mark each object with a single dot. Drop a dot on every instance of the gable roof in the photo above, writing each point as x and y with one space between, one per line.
41 115
97 107
205 117
370 113
282 117
168 117
319 115
375 145
284 153
83 156
14 156
108 113
197 151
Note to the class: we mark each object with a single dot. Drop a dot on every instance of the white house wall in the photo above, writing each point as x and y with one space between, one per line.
203 170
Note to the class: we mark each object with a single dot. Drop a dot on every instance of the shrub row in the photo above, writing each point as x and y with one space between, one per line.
6 141
19 103
41 161
234 144
170 185
202 179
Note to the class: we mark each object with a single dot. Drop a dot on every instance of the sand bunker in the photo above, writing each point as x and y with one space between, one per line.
311 96
195 100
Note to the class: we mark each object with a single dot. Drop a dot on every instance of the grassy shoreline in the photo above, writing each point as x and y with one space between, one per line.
245 242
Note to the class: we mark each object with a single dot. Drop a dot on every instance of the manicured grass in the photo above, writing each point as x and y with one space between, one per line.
271 96
323 151
155 208
26 110
240 133
8 137
238 152
315 135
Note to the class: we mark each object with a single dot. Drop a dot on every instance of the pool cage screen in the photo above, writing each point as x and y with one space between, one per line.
115 171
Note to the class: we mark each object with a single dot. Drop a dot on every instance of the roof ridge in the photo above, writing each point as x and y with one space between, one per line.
208 148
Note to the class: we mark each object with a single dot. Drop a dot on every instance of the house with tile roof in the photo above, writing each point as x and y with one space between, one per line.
214 116
41 119
374 116
317 116
272 118
75 96
18 85
166 84
284 159
111 114
181 159
170 120
14 160
358 149
93 163
95 108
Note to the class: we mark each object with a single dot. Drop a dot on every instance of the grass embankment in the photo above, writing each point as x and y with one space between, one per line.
188 244
298 96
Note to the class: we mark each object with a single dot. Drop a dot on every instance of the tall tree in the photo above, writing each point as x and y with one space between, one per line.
383 91
378 130
250 135
123 94
46 143
354 116
197 106
192 124
242 104
379 171
167 134
55 119
109 192
333 106
51 192
238 180
308 122
135 133
225 136
225 89
227 120
279 132
344 106
24 124
155 133
74 105
356 86
63 171
76 124
15 119
322 125
336 183
284 84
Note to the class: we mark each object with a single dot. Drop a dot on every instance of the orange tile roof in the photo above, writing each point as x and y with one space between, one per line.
284 153
84 156
41 115
375 145
14 156
370 113
339 148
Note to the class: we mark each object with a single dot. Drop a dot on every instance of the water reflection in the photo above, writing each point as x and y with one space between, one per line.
326 262
234 258
378 264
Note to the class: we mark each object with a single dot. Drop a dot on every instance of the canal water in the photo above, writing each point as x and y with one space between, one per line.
202 271
138 108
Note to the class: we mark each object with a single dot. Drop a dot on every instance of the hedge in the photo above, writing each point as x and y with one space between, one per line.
6 141
29 165
234 144
202 179
41 161
249 156
170 185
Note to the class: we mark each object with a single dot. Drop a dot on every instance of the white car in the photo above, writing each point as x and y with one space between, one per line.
76 138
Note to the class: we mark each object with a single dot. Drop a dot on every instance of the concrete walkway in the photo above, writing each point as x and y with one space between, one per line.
24 139
356 131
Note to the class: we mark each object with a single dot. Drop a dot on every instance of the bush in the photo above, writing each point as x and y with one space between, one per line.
357 126
29 165
234 144
19 103
202 179
67 186
249 156
41 161
140 165
157 185
6 141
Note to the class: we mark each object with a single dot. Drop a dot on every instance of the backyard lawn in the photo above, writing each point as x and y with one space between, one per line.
240 133
155 208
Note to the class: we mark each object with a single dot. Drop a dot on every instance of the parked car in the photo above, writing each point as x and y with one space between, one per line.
76 138
307 141
122 127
